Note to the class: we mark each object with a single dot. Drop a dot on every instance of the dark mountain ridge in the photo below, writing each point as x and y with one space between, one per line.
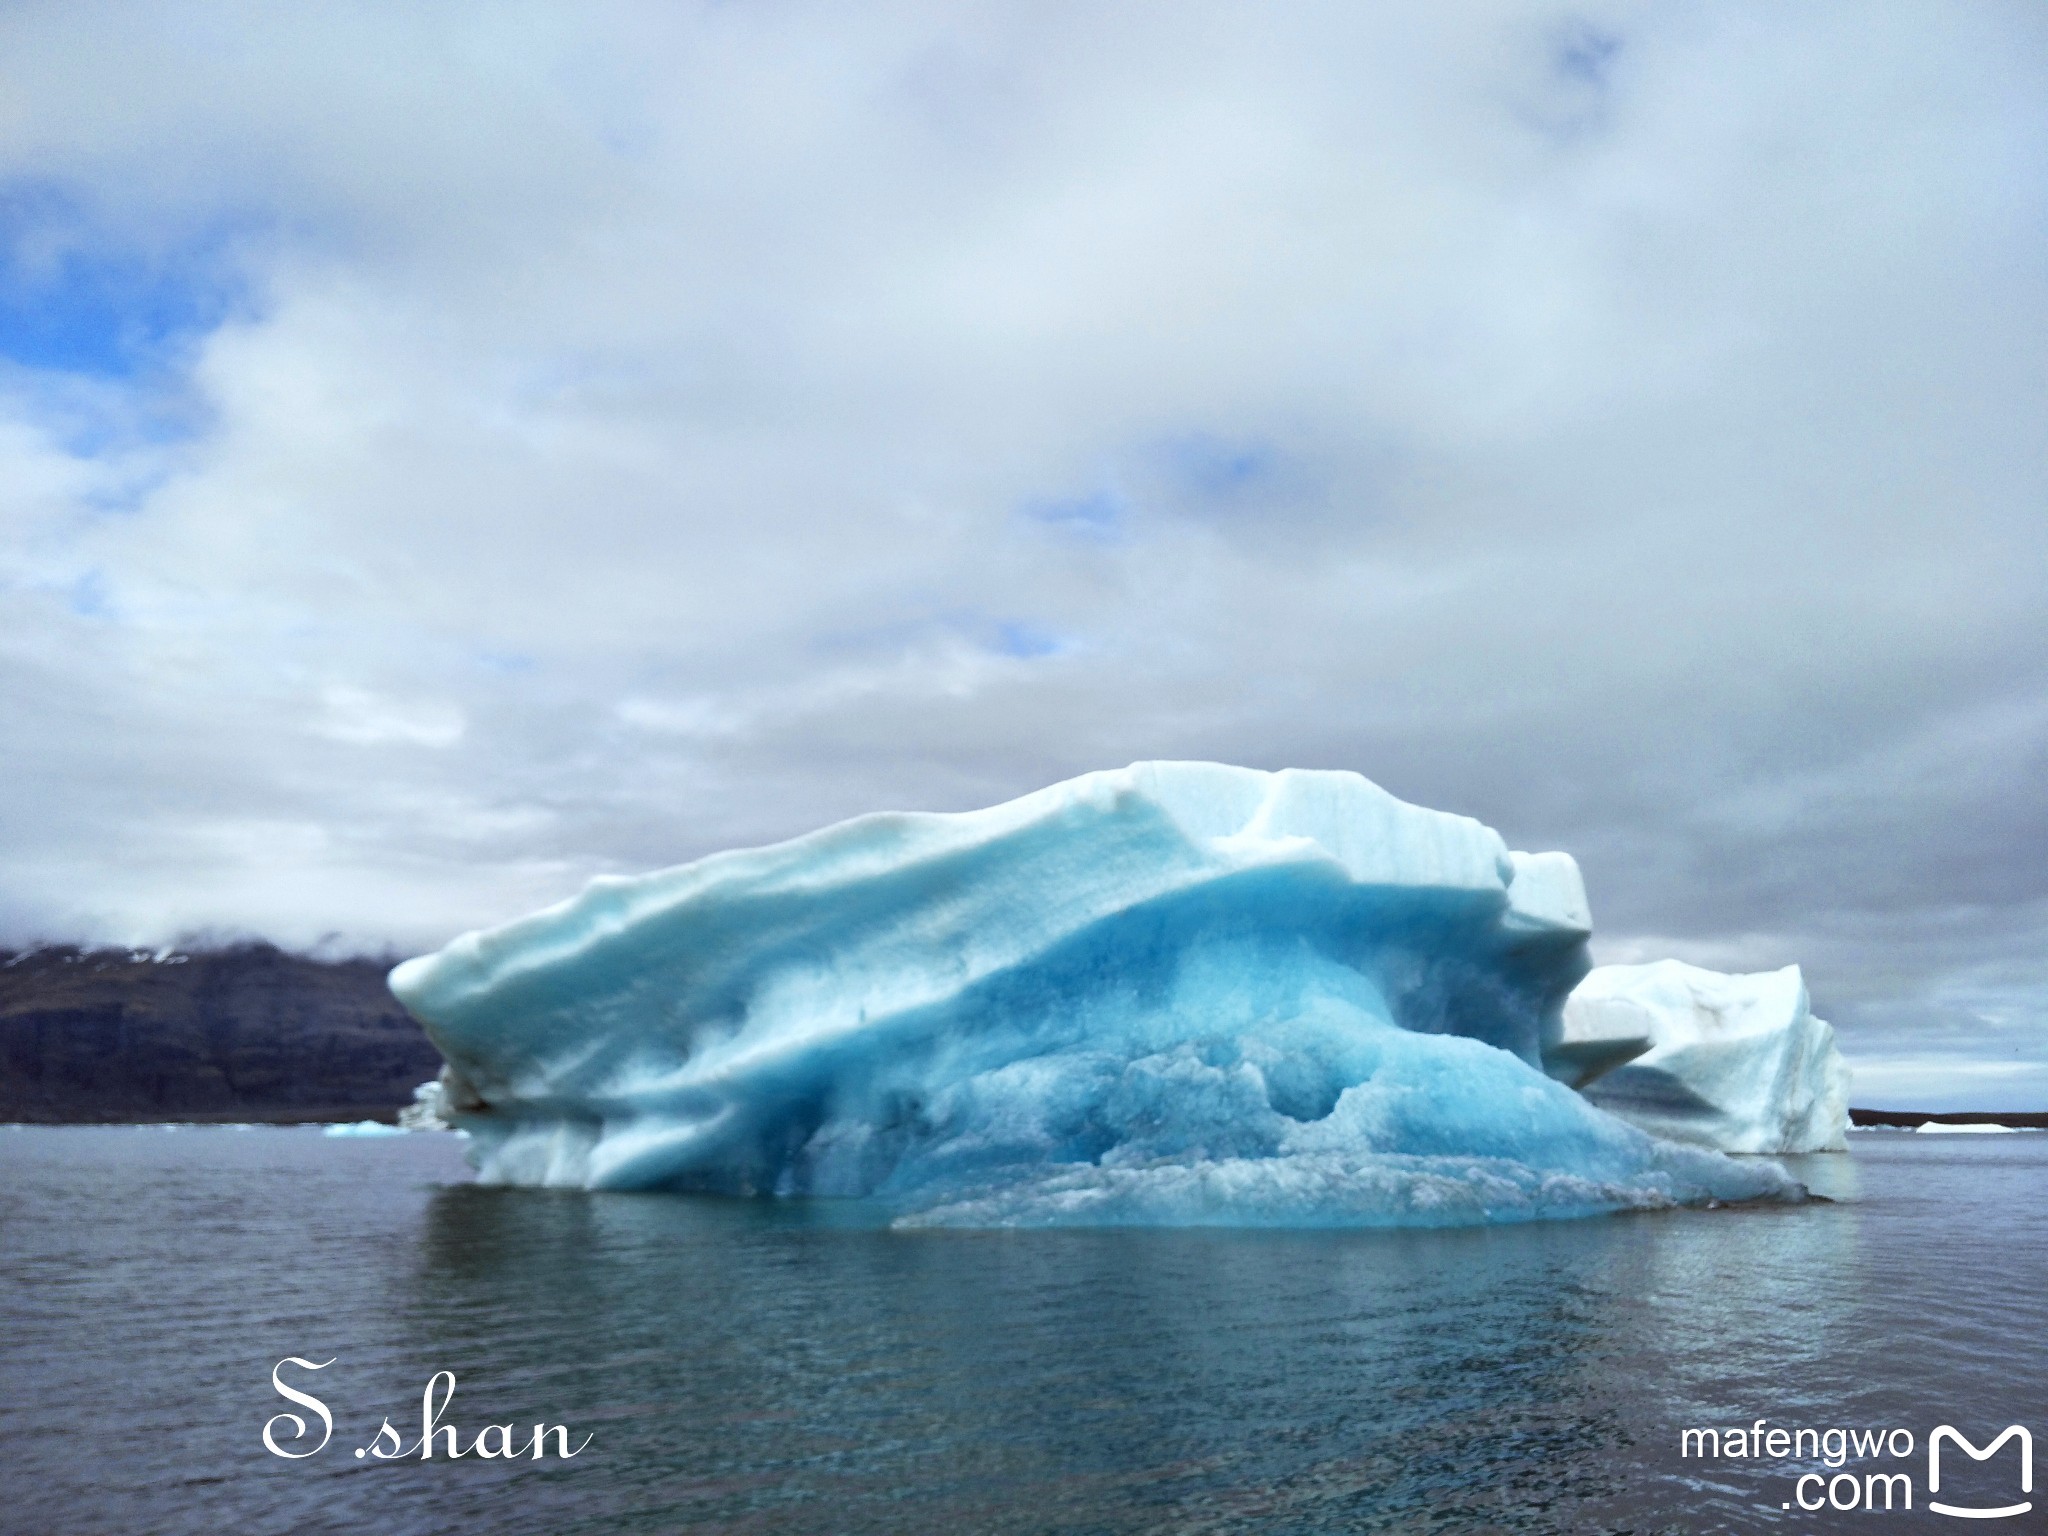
248 1032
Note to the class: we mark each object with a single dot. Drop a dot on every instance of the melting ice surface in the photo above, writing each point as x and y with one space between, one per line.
1179 993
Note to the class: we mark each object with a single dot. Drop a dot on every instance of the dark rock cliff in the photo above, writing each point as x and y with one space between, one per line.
248 1033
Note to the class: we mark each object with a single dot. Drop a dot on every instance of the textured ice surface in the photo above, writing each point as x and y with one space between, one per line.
1178 993
1734 1062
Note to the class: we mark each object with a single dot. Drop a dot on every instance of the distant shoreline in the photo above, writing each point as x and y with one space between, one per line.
239 1036
1912 1119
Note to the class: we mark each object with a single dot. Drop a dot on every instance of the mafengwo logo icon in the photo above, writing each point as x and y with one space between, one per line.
1948 1433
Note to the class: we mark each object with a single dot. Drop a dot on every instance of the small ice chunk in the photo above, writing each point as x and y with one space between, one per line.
1937 1128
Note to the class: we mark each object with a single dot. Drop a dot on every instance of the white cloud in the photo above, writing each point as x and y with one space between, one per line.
361 718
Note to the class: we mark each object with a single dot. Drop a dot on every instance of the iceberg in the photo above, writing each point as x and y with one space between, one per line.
1936 1128
1737 1063
1178 993
424 1112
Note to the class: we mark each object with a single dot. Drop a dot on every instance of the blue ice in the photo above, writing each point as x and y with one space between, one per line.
1174 994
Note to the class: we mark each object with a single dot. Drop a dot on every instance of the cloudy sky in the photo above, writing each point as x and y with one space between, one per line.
446 452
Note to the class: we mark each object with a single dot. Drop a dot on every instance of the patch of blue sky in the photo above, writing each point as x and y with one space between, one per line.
1097 515
1026 641
76 299
88 596
1217 468
1573 97
1585 53
97 328
123 494
1247 480
83 594
1023 639
1197 472
100 419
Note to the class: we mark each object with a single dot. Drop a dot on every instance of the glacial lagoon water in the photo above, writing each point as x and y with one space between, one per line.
748 1367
